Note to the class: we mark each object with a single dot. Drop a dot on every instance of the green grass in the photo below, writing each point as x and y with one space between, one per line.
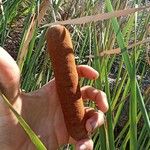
125 94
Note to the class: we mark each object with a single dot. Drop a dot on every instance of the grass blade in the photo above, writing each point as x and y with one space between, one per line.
36 141
128 65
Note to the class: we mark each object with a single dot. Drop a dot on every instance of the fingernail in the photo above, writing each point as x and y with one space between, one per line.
93 125
82 147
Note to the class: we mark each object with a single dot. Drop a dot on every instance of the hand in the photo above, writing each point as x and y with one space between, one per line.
41 110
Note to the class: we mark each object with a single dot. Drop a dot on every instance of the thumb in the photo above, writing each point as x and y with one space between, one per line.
9 75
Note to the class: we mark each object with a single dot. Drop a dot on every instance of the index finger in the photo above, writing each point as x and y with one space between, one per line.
87 72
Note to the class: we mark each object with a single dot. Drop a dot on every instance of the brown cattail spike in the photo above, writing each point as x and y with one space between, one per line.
61 53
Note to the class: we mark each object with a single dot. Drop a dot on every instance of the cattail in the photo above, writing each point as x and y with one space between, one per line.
62 57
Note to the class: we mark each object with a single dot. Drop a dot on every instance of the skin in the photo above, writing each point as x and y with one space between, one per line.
41 110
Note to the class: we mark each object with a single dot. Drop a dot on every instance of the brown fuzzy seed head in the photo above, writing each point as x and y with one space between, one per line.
61 53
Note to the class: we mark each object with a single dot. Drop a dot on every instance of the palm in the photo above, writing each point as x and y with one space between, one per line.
42 111
48 121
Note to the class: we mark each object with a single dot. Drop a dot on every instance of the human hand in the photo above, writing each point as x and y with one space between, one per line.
41 110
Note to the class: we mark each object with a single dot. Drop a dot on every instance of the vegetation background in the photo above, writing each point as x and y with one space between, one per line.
118 48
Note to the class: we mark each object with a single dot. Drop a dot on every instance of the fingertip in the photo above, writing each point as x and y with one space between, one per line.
87 72
96 75
104 108
86 144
